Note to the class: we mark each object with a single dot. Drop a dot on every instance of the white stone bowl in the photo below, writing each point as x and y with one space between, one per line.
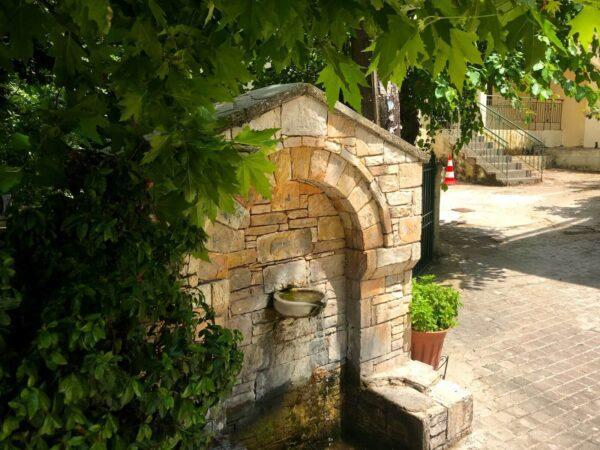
298 302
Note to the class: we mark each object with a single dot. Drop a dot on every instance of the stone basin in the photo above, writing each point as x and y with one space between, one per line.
298 302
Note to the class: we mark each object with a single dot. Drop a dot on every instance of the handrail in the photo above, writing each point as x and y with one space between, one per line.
516 127
496 135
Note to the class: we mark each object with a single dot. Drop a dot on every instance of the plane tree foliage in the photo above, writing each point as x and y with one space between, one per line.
111 161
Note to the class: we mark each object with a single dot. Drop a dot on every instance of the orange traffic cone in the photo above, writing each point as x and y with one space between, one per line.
449 177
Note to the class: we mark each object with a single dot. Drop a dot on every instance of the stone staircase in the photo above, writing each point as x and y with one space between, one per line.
502 153
498 166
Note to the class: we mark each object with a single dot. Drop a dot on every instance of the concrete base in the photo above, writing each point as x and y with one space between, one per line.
408 408
576 158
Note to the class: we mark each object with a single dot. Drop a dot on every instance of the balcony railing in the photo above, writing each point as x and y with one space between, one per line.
529 113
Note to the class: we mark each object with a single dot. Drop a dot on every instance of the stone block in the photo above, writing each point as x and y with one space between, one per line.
241 258
243 323
388 183
220 296
297 213
284 245
215 268
375 341
373 160
239 278
300 162
282 376
292 141
367 144
306 222
283 166
330 228
327 267
410 175
359 196
249 304
304 116
348 181
368 215
279 276
409 230
268 219
222 239
393 155
417 208
339 126
371 288
318 164
285 195
335 169
372 237
392 260
415 374
203 293
337 344
236 219
399 197
394 255
320 205
270 119
459 403
310 141
327 246
257 231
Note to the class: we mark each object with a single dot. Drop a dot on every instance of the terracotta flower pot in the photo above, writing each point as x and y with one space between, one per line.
426 346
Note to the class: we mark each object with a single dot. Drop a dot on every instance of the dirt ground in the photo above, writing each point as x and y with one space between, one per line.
527 262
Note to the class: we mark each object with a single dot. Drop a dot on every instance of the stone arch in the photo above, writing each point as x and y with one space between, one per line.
374 268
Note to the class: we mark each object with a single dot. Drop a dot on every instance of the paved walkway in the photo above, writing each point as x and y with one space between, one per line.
527 260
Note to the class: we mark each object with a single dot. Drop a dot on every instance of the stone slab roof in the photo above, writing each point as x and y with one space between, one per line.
252 104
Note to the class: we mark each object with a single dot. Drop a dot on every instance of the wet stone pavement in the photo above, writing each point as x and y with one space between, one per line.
527 262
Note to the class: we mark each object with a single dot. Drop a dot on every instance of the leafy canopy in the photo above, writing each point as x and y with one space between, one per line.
110 147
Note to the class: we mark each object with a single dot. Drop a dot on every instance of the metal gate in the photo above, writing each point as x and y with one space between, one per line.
428 216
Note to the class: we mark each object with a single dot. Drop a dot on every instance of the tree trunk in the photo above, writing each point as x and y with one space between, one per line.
379 103
369 99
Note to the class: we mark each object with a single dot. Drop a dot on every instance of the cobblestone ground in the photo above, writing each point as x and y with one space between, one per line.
527 261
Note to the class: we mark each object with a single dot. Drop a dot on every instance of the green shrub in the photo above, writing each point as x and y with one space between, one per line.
434 307
100 347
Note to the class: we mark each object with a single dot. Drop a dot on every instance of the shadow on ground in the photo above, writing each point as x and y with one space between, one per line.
567 251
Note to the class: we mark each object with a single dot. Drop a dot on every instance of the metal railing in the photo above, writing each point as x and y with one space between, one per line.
529 113
504 149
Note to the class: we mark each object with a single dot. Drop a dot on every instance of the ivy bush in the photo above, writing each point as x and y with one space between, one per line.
104 349
434 307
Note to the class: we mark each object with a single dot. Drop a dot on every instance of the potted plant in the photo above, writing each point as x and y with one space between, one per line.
434 310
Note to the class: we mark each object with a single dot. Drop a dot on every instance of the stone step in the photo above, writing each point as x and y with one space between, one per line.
518 181
511 174
411 400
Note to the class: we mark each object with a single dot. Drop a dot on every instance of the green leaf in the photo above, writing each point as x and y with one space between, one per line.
145 37
252 173
158 13
257 138
158 142
100 12
345 77
19 141
585 24
463 49
131 104
9 178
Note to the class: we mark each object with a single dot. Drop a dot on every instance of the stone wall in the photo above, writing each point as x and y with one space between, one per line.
344 218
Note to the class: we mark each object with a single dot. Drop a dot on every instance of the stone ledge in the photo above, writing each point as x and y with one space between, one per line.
254 103
414 374
411 407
